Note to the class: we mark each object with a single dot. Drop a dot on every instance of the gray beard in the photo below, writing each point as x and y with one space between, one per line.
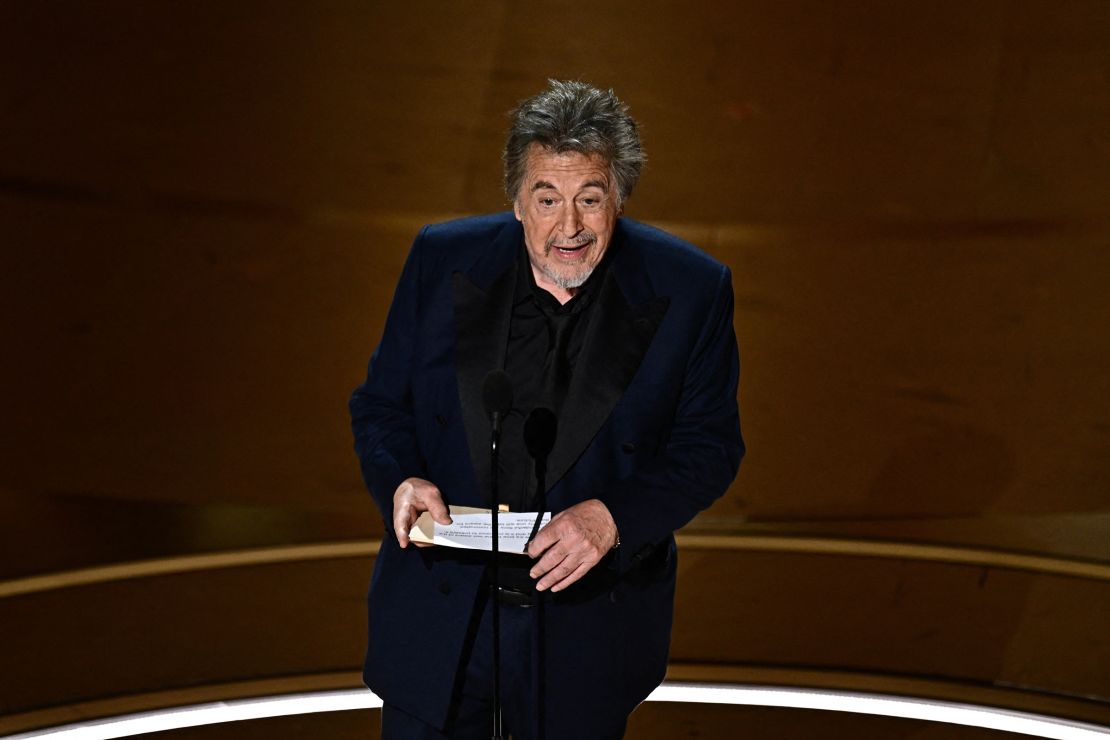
568 282
573 281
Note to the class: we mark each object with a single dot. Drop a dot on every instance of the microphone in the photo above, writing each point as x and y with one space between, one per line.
497 397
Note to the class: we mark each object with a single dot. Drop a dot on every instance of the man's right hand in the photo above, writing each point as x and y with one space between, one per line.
413 497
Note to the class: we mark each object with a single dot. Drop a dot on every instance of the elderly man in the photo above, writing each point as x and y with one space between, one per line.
625 332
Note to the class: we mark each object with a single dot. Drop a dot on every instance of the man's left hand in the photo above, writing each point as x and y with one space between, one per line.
572 543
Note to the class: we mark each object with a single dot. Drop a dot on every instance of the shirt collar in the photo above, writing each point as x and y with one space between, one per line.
527 288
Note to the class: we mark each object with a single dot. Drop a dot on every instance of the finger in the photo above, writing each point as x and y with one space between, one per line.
401 523
551 533
539 545
581 570
551 560
434 501
557 574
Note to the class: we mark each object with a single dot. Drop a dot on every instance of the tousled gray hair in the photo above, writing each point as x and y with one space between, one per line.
572 116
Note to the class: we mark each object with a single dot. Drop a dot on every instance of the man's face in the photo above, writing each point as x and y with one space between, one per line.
568 207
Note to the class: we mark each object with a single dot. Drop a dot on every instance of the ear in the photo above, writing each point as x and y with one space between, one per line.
516 209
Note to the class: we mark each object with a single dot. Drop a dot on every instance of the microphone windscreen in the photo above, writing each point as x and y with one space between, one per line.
539 432
497 393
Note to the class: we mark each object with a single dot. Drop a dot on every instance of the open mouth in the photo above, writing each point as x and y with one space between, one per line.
570 250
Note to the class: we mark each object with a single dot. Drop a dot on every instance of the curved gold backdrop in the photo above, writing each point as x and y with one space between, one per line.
205 206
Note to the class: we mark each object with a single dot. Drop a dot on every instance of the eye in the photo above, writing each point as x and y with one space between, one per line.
547 202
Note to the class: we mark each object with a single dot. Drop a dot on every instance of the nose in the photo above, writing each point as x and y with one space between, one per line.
570 223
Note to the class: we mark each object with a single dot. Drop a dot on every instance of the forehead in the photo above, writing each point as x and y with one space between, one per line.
564 169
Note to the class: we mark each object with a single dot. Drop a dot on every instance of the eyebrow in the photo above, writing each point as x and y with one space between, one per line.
545 185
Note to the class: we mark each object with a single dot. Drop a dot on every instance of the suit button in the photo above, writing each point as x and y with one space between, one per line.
444 587
614 597
628 447
441 420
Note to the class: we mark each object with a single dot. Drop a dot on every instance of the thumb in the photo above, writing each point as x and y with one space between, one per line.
438 510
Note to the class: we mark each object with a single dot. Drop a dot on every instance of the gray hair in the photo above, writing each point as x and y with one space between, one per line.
572 116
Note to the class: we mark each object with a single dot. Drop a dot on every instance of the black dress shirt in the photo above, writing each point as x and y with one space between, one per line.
545 339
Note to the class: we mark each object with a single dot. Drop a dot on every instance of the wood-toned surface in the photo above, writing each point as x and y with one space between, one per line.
205 207
958 626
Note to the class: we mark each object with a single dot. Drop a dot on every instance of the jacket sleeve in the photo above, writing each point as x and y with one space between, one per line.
382 416
703 451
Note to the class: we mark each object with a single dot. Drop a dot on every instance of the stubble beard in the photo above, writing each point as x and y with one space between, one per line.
580 275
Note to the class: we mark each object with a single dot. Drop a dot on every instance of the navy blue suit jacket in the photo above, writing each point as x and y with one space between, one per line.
650 427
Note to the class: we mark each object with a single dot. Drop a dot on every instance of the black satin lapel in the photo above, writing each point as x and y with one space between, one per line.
481 337
616 341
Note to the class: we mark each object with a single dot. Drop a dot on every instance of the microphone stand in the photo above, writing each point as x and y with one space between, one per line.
495 445
497 398
540 429
541 658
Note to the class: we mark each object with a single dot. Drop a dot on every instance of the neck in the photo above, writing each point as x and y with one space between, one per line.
562 295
